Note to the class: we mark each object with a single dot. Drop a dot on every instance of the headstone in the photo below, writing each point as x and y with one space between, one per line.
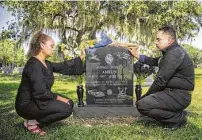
109 77
109 84
20 70
7 70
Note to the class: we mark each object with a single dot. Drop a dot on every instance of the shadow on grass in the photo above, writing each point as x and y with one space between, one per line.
8 91
150 126
11 76
8 115
194 114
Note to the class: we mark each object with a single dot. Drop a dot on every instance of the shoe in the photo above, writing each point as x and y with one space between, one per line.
34 128
176 126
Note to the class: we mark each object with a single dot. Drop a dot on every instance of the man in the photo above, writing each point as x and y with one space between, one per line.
171 90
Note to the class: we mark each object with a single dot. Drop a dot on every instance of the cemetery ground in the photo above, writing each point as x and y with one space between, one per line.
117 128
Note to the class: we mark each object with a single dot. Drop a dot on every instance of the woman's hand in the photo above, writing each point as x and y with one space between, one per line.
122 44
62 99
133 51
83 54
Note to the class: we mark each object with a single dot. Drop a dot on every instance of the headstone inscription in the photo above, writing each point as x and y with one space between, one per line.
109 77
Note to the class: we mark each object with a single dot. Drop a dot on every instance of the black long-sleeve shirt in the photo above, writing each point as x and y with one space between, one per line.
37 80
176 69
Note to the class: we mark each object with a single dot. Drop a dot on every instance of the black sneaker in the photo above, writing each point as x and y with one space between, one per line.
176 126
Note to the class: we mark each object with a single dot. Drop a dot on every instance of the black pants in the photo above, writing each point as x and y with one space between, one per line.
165 106
55 111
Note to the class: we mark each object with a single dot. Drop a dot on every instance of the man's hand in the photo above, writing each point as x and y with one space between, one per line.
134 52
130 46
62 99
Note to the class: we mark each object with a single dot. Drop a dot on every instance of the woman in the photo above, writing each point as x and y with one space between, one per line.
35 102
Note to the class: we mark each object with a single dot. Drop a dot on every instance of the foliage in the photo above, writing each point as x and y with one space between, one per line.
6 51
194 53
20 57
9 51
72 20
143 18
76 21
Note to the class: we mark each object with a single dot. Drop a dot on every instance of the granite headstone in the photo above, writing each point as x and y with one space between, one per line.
109 77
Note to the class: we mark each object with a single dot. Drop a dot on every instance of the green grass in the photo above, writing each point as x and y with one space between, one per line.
94 129
198 72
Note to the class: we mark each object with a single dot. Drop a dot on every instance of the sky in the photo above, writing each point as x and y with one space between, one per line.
197 42
6 16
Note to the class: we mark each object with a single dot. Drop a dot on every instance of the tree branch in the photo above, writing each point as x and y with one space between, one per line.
71 28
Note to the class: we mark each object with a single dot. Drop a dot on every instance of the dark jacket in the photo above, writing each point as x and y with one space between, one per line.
37 81
176 69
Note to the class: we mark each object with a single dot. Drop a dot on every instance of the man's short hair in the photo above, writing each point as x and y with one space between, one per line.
169 30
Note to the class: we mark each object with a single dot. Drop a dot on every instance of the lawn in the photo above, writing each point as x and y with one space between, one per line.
198 71
94 129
